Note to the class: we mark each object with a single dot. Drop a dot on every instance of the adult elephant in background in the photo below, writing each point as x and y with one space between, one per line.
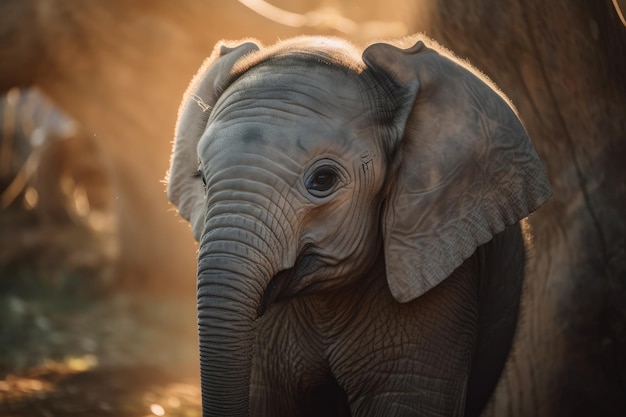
358 218
562 63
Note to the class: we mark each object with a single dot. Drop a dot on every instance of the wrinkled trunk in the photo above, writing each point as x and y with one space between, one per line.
233 272
227 309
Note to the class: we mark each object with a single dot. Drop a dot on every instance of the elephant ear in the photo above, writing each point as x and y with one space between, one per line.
464 166
184 185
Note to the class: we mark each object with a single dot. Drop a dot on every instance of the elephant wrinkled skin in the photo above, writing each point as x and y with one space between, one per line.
358 213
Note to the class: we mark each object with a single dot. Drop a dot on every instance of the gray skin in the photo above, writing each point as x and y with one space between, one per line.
358 214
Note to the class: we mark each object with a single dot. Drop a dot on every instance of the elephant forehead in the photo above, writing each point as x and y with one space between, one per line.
304 110
297 138
327 92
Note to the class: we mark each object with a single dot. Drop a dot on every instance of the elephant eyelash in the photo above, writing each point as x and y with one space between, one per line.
200 174
204 106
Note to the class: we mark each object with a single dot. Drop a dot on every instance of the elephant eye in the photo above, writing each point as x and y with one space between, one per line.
322 181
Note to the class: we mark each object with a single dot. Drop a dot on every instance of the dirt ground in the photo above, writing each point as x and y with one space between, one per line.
64 354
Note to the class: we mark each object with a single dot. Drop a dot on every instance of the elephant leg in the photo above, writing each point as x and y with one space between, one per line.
320 397
389 400
290 376
409 359
502 260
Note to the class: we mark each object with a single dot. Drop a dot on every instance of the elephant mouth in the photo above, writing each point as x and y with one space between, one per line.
293 281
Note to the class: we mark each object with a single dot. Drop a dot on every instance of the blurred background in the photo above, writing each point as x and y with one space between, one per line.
97 272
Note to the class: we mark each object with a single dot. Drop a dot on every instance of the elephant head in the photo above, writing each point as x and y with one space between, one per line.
301 164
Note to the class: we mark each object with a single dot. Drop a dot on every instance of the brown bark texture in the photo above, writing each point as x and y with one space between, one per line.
562 63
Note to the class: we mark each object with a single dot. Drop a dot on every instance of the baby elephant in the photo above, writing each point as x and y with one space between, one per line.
358 213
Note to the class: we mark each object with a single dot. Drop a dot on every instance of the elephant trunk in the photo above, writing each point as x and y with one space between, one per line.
232 277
